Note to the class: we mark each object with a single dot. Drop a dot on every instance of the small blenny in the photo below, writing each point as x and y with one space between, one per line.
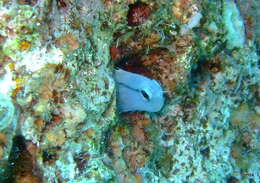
138 93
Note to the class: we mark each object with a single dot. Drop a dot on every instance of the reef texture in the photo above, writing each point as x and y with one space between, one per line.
59 120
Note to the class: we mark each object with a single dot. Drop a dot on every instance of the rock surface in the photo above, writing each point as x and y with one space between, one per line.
59 120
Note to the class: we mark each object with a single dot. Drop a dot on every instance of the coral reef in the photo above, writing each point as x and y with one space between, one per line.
59 116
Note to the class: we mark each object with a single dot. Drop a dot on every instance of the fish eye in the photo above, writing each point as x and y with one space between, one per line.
145 95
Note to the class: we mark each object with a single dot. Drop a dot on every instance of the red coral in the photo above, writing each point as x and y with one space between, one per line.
138 13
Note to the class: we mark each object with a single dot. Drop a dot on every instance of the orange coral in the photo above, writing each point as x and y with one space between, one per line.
24 45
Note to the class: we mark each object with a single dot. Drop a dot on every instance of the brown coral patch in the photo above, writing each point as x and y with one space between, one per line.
182 42
54 82
139 122
131 146
138 13
68 42
132 44
139 131
165 68
136 157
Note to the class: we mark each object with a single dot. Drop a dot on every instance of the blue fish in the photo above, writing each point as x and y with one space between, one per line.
137 93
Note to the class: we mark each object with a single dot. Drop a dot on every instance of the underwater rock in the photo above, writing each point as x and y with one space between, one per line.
60 75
